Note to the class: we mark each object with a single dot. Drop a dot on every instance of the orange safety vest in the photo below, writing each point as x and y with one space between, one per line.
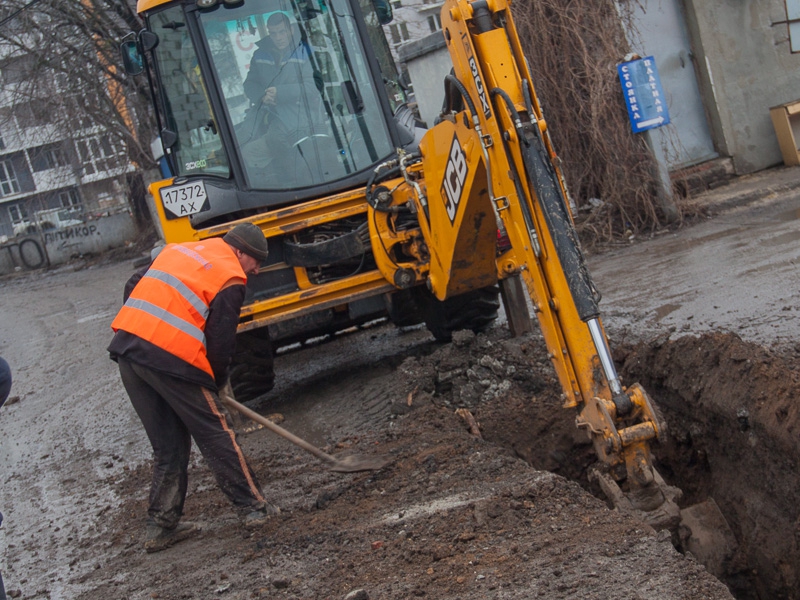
169 305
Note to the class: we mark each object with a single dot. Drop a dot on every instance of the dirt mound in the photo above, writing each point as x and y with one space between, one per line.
455 515
734 421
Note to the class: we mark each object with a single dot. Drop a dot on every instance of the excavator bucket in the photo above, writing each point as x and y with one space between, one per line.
706 534
700 529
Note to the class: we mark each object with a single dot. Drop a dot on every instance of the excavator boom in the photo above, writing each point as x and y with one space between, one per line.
490 165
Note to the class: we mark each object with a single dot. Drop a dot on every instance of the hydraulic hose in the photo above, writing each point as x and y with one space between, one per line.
462 90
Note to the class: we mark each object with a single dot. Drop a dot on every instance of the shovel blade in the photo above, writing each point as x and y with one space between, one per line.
354 464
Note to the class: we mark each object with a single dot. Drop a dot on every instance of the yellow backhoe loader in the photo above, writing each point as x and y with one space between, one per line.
371 214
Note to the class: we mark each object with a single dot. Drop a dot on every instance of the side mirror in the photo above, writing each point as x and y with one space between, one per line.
168 138
405 81
384 11
132 59
148 39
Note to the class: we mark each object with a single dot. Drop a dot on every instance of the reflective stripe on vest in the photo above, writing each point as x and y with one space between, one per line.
170 304
176 322
182 289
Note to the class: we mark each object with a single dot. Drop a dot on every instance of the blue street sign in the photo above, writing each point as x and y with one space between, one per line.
644 98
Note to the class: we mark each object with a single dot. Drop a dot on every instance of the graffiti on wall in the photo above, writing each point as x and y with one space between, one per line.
29 252
57 246
70 236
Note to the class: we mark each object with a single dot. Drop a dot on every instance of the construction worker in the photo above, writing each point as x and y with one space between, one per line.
174 339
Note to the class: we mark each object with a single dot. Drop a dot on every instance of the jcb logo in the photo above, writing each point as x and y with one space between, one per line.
455 174
473 66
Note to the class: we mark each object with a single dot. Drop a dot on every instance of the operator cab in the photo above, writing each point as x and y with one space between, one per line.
337 108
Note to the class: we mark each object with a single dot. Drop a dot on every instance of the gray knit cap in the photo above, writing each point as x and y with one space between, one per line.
249 239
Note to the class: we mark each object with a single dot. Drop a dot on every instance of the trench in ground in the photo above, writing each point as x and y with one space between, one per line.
733 425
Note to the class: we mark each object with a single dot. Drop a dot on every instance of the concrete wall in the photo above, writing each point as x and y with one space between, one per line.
60 245
428 62
745 66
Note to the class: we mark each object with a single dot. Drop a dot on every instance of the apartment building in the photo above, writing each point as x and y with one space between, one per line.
413 20
53 175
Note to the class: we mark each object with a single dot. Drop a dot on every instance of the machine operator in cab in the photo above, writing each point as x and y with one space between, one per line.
285 102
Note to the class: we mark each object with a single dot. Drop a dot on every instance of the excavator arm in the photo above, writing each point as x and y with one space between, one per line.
489 166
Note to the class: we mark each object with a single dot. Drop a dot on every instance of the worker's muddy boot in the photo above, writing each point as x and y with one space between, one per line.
161 538
259 517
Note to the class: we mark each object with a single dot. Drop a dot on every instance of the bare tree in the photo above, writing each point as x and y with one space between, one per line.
60 71
67 99
574 47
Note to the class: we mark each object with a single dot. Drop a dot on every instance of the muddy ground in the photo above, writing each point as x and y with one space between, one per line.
507 514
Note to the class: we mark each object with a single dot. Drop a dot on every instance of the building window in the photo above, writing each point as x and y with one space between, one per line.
85 157
47 157
2 142
17 69
399 33
8 179
435 22
78 115
69 198
18 214
35 113
793 21
395 34
396 4
97 154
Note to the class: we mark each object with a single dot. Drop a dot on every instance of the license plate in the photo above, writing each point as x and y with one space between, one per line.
184 199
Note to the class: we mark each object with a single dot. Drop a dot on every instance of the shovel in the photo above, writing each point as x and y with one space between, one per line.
348 464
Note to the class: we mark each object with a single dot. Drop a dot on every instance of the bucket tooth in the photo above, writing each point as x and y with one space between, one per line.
655 504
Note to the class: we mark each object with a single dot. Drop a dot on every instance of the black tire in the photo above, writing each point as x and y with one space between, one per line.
475 310
252 373
406 307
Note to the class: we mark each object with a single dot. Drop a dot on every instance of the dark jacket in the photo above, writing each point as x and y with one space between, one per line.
298 105
5 381
220 331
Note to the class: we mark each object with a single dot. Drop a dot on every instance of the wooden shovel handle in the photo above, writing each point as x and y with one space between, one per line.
227 399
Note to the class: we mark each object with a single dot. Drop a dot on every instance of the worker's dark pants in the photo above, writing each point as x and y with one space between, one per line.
173 412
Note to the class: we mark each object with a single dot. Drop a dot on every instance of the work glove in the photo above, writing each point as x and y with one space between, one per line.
236 420
226 393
